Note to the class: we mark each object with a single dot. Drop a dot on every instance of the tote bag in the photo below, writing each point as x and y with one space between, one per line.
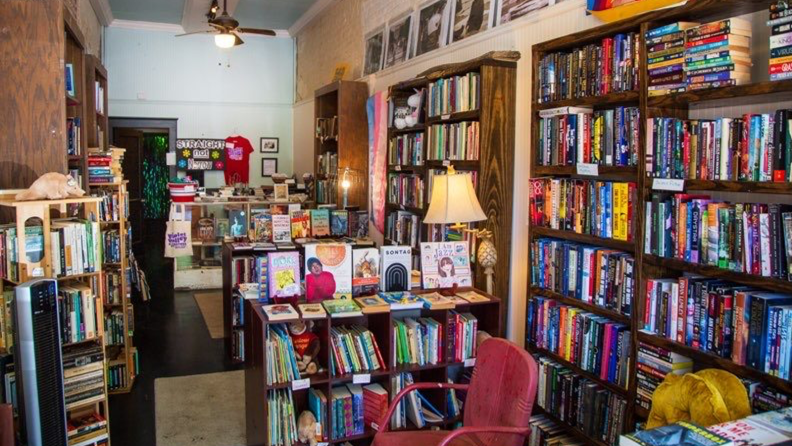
178 234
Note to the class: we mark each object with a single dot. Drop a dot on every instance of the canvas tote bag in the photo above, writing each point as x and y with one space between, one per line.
178 234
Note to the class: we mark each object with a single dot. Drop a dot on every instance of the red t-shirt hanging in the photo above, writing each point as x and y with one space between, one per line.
238 150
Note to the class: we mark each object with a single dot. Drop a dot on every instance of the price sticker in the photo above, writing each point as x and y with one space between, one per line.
588 169
445 117
668 184
321 444
446 162
301 384
470 362
397 168
363 378
37 272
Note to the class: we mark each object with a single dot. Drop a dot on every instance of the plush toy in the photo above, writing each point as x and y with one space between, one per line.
306 428
51 186
306 347
414 102
707 397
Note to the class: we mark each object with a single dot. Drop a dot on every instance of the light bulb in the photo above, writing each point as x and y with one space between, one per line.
345 184
225 40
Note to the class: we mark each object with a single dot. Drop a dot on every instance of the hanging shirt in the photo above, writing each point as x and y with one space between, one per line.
237 169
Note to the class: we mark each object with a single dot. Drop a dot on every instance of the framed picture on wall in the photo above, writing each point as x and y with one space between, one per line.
269 167
509 10
375 51
469 17
432 29
399 39
269 145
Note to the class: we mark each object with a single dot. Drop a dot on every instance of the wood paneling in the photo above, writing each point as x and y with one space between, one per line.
32 116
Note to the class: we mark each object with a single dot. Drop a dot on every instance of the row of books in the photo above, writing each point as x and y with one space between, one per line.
572 135
652 366
111 208
454 94
780 24
114 328
78 319
579 402
281 420
546 432
596 276
413 407
742 237
748 326
238 344
406 189
111 246
354 350
281 359
6 321
83 375
73 136
462 333
327 164
112 289
599 208
750 148
593 343
455 141
593 70
764 398
279 224
327 128
417 341
406 150
403 228
327 191
347 409
117 376
432 173
87 429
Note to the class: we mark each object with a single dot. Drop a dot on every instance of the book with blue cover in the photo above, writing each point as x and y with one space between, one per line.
677 434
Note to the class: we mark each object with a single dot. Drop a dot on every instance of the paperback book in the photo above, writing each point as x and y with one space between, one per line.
444 265
328 272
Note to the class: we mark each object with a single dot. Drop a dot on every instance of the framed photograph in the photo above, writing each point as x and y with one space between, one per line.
470 17
281 192
375 51
269 166
399 39
432 30
269 145
509 10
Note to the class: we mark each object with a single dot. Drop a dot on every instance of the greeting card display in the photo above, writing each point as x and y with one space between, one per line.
445 264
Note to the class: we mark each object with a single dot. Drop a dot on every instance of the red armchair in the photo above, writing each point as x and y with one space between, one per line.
497 408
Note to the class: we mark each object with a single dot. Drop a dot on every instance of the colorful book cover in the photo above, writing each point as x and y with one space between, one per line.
681 433
320 222
281 228
339 222
342 308
365 271
262 278
223 229
238 222
261 226
328 271
445 264
372 304
300 224
362 224
312 311
395 274
284 274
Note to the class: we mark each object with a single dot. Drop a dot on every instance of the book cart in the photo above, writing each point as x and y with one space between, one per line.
380 325
760 96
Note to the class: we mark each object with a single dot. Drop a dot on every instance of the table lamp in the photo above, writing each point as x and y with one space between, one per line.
454 202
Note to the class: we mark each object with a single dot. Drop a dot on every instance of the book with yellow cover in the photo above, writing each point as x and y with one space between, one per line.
620 202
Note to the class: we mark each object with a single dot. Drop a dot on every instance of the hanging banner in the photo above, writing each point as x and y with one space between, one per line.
200 154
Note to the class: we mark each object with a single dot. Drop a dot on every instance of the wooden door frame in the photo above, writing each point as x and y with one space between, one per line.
169 124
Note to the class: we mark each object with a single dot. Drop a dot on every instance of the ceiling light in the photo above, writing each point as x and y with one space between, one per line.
225 40
214 7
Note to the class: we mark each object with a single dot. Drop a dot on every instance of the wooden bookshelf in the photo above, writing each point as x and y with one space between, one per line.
682 105
96 121
346 102
380 325
495 165
76 104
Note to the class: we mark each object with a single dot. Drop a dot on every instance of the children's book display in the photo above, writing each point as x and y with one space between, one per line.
445 265
284 274
328 272
395 274
365 271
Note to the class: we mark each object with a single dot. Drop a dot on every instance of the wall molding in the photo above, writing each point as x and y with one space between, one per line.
147 26
312 12
103 11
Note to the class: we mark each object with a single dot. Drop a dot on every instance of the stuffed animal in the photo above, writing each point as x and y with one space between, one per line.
708 397
306 428
414 102
306 347
51 186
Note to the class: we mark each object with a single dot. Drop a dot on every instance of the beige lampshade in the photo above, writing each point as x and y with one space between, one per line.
453 200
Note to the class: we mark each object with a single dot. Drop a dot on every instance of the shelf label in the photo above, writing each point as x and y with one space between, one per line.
470 362
364 378
397 168
668 184
300 384
445 117
588 169
321 444
37 272
446 162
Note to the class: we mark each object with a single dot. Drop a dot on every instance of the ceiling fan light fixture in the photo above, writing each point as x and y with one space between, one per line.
225 40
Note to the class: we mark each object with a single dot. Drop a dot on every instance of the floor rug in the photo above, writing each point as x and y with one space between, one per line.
211 305
201 410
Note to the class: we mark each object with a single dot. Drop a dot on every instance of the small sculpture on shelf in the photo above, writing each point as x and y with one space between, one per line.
52 186
487 256
306 428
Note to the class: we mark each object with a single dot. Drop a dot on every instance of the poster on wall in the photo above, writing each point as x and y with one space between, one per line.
470 17
509 10
375 49
432 28
200 154
399 40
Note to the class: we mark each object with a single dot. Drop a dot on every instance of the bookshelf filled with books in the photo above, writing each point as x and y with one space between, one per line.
660 209
36 243
459 115
76 99
96 91
341 143
394 356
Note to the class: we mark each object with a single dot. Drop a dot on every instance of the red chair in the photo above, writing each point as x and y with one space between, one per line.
497 408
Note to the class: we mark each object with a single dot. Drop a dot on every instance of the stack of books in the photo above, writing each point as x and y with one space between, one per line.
457 141
654 363
77 312
117 377
83 375
281 421
354 350
718 54
418 341
462 330
375 404
454 94
347 402
765 398
281 360
87 430
104 167
780 24
665 47
591 342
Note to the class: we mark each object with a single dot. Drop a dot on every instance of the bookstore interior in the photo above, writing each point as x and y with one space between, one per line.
420 222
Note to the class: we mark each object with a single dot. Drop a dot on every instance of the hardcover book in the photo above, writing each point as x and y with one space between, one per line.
342 308
339 223
279 312
372 304
281 228
261 226
328 271
312 311
677 434
300 224
238 222
284 274
365 271
320 222
445 264
396 268
222 230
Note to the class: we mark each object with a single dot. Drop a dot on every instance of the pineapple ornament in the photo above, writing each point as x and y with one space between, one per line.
487 256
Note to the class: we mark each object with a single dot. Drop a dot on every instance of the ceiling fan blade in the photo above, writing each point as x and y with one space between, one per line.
263 32
237 40
197 32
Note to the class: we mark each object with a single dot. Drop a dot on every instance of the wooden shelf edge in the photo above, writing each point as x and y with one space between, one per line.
615 388
731 186
620 97
469 115
740 91
621 245
591 308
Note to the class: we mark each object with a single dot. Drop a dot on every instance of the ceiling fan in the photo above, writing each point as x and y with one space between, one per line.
226 28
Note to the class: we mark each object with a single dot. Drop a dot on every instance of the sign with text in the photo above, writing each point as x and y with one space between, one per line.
200 154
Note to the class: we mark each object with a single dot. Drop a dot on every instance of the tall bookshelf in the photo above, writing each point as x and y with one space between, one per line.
96 115
688 105
494 166
342 133
76 105
45 214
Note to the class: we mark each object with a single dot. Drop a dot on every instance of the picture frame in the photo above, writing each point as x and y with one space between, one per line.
374 56
470 17
431 26
269 145
269 166
281 192
509 10
399 37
